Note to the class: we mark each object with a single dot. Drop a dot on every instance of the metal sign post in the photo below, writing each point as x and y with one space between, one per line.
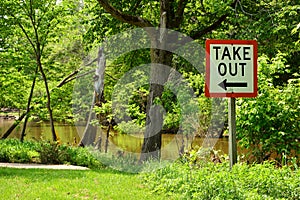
232 132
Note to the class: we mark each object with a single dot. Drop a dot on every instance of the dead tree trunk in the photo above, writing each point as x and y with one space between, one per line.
90 131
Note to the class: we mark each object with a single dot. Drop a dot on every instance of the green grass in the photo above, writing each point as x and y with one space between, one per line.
64 184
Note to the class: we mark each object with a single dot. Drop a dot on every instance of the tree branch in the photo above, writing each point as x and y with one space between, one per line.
135 6
26 35
15 124
213 26
130 19
210 28
44 38
67 78
35 28
73 76
179 12
23 29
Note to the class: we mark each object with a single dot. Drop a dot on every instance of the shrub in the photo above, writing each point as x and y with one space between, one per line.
269 124
82 157
50 153
217 181
12 150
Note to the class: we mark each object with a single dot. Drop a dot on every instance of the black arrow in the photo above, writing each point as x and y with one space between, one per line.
224 84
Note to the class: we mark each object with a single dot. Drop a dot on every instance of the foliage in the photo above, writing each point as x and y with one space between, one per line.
217 181
125 163
41 30
274 24
130 96
269 124
128 162
130 127
12 150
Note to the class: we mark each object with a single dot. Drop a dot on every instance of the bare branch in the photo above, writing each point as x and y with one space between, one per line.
130 19
72 77
84 74
67 79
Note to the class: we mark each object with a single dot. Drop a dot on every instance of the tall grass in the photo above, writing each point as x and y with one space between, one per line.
217 181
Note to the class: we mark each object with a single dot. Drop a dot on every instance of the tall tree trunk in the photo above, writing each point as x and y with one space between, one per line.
159 74
171 17
39 63
28 105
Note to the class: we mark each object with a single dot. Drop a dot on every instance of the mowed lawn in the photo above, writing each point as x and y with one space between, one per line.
70 184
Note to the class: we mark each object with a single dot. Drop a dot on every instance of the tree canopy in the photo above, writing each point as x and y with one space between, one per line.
43 42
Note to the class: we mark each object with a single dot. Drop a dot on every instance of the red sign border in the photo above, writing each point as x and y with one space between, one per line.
207 74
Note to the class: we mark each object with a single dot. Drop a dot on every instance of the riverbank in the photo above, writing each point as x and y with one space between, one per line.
9 113
71 135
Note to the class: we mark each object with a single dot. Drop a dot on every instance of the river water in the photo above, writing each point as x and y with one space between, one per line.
70 134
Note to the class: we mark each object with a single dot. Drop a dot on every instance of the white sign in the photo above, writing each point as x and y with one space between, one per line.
231 68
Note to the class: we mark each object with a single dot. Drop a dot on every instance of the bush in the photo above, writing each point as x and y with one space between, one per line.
51 153
269 124
12 150
217 181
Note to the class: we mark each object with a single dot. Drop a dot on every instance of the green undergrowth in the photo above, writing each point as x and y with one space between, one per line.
14 151
191 177
217 181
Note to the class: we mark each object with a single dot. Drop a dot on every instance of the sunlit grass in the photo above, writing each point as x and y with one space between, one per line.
64 184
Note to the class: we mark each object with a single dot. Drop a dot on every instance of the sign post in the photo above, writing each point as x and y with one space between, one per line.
231 71
232 132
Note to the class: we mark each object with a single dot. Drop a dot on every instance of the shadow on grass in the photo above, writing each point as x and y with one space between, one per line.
46 174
